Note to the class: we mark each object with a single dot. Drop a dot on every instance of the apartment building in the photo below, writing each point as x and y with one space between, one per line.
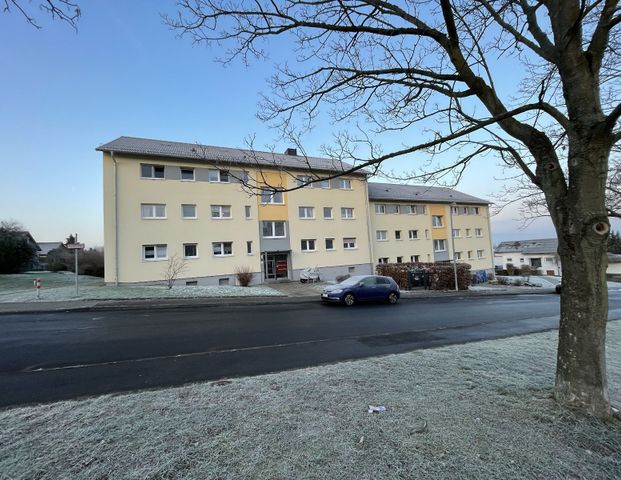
429 224
170 199
165 199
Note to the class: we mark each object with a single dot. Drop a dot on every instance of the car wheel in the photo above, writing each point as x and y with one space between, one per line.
393 298
349 300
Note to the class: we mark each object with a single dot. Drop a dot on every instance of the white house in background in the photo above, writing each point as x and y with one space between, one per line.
614 267
538 254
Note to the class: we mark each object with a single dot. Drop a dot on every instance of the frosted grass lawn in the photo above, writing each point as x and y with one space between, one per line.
59 287
486 407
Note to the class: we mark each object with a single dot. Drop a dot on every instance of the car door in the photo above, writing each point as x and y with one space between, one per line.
383 288
367 289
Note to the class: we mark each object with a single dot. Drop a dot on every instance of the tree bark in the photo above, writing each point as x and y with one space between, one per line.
583 230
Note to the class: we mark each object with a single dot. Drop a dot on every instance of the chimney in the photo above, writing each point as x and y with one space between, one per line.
291 151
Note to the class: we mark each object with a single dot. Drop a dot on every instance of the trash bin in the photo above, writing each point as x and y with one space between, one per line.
418 278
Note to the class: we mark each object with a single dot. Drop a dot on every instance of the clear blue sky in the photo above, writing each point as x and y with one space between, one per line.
64 93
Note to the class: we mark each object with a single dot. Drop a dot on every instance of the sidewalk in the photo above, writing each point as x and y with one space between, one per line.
295 293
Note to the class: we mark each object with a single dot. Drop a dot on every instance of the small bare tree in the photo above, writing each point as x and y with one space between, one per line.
175 266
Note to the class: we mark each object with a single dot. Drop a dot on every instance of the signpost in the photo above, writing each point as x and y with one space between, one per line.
75 247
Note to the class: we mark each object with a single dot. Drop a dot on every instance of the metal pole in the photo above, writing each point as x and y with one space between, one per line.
453 245
75 256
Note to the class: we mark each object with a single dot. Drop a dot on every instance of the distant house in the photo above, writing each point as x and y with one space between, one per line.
538 254
44 249
34 262
614 267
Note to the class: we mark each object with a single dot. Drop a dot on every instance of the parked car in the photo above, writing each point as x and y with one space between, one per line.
362 288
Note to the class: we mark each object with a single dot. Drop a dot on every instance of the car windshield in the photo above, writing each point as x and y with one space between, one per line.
352 280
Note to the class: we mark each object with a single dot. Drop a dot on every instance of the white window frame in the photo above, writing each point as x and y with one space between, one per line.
398 235
436 244
381 235
152 169
272 194
153 207
195 245
303 213
478 232
469 254
249 247
273 228
413 234
383 260
344 184
344 210
413 258
329 249
302 179
188 179
217 178
331 217
380 208
468 233
457 255
437 221
305 245
324 184
221 210
248 211
183 205
156 257
349 243
456 233
222 248
480 254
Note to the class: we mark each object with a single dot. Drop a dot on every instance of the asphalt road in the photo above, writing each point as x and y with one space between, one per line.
54 356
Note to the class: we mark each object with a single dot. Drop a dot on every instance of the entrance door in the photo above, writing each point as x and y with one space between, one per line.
275 266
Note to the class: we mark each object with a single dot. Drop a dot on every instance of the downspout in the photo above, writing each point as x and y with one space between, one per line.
491 242
369 237
116 221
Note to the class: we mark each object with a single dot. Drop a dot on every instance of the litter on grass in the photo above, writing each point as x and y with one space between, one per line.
377 409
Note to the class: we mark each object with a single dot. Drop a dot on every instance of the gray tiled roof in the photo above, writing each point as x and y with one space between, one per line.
409 193
224 155
528 247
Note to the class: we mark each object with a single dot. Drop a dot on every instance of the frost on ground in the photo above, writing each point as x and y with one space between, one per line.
59 287
486 405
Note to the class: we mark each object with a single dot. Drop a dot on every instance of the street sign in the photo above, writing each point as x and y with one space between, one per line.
75 246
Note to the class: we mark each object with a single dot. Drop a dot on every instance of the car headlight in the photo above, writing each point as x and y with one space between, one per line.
338 290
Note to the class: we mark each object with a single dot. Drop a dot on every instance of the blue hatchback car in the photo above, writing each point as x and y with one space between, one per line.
362 288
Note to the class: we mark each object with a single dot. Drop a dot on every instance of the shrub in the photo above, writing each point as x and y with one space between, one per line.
244 275
510 269
502 280
442 274
16 251
341 278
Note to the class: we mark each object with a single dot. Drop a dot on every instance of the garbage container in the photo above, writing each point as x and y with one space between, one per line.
418 278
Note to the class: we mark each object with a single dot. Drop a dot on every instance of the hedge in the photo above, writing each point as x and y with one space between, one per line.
442 274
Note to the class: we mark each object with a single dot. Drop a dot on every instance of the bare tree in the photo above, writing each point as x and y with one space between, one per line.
67 11
440 68
175 266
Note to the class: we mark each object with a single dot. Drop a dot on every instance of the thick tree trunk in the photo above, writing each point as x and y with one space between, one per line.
583 228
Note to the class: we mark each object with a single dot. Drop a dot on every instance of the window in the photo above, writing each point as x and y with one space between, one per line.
416 209
248 211
473 210
399 259
456 233
455 210
306 212
222 249
347 213
426 234
521 260
381 235
304 180
187 174
308 245
436 221
327 213
394 209
379 208
188 211
224 281
218 176
191 283
439 245
397 234
457 255
220 211
151 171
468 233
154 252
469 254
273 229
351 269
249 247
190 250
324 183
480 253
478 232
329 243
509 259
550 259
382 260
272 196
152 210
344 184
414 258
349 243
413 234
